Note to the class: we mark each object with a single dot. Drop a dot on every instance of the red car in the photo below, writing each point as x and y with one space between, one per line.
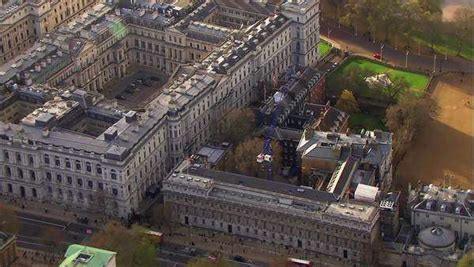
377 56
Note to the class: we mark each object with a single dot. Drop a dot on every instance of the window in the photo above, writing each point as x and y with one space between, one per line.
99 169
114 191
79 182
8 171
113 175
18 157
31 160
67 163
88 167
69 180
59 178
56 161
20 173
7 155
33 175
90 184
48 176
78 165
101 186
46 159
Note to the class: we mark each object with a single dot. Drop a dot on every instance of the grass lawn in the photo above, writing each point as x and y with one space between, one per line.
446 42
324 48
416 81
361 121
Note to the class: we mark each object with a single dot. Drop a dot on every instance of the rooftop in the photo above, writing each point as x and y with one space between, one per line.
78 255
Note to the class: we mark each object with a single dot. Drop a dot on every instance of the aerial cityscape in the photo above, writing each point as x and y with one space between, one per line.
236 133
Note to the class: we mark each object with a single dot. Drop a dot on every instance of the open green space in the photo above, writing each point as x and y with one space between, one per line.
359 121
443 43
324 48
417 82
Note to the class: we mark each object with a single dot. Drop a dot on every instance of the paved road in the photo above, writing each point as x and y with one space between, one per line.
359 44
33 227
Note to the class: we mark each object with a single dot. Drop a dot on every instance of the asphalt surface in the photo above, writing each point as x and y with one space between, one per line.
360 44
33 227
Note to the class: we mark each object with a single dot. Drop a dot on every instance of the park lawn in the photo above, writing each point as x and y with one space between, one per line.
359 121
447 42
324 49
416 81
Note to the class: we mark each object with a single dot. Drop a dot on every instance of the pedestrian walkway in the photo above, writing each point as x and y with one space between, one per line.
346 39
51 210
232 245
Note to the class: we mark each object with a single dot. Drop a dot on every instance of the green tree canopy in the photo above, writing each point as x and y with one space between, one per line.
8 220
243 159
237 125
347 102
405 120
132 248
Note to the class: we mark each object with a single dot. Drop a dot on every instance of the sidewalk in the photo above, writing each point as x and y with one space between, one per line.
50 210
229 245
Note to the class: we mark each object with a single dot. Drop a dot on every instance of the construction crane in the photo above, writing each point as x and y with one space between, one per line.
266 156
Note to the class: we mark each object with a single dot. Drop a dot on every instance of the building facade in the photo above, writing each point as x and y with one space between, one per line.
7 249
62 142
273 212
23 22
445 207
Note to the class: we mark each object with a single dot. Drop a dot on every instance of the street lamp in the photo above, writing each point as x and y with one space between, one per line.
434 63
445 51
419 47
406 58
382 45
329 33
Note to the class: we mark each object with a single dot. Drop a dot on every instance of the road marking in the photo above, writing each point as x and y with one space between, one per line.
43 222
31 243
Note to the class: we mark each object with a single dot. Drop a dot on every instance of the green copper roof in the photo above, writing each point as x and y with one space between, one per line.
79 255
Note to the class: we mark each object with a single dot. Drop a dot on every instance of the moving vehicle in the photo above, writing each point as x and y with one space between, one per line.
377 56
155 237
120 97
292 262
239 258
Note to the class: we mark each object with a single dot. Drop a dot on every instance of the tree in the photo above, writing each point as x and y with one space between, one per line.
206 262
8 221
133 249
162 214
53 238
463 25
347 102
405 120
237 125
243 159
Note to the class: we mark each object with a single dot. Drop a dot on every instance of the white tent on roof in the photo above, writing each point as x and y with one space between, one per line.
366 193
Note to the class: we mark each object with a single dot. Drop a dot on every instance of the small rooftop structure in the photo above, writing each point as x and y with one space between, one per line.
83 256
437 238
366 193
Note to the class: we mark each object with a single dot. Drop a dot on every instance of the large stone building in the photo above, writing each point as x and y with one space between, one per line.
273 212
22 22
338 162
63 142
444 207
8 253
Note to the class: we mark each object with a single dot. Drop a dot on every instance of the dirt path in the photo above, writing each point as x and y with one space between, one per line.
445 146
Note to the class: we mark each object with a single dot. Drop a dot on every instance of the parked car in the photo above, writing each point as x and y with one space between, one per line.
377 56
139 81
120 97
129 91
239 258
147 83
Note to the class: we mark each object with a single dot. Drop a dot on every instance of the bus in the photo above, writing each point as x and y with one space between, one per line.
292 262
155 237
